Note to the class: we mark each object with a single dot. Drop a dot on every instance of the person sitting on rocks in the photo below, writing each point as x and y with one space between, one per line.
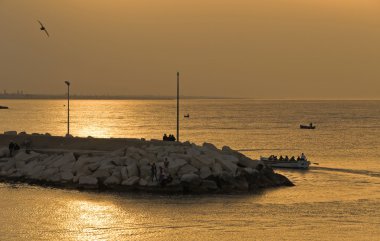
164 178
171 138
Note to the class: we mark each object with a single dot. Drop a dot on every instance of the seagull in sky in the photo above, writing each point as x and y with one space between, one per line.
43 28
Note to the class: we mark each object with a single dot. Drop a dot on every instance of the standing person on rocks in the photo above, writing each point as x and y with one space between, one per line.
11 148
154 171
161 175
166 165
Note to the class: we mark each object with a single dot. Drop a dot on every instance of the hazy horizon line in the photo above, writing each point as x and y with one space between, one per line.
15 96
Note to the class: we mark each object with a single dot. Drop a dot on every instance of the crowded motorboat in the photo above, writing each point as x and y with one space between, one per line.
300 162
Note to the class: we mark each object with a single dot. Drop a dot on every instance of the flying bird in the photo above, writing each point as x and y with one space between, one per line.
43 28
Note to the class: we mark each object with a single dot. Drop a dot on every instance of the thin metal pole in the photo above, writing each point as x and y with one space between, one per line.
68 109
177 106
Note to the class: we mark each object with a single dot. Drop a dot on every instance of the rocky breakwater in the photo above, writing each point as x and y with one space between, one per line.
184 168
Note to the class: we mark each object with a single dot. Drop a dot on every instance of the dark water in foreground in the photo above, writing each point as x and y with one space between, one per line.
335 200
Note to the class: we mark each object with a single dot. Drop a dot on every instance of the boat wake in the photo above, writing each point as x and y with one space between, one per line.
267 149
351 171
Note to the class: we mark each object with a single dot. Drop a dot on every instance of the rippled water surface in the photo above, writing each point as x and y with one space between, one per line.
337 199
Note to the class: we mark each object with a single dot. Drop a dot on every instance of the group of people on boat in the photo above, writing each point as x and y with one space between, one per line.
164 176
169 137
286 158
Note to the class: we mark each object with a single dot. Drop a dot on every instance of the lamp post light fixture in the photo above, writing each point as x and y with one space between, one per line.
68 107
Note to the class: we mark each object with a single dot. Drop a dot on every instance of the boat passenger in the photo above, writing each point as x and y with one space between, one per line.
298 158
281 158
165 137
303 157
292 158
286 158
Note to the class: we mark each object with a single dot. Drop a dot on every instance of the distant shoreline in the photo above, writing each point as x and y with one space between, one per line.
99 97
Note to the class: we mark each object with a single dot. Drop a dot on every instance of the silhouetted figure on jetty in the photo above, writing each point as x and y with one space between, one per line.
154 171
164 176
13 147
168 138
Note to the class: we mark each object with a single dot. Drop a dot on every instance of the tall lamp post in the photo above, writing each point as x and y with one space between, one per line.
68 107
177 106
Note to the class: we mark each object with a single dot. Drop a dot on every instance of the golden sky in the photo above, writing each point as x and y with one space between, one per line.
314 49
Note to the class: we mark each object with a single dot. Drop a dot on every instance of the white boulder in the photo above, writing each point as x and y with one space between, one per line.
124 172
112 180
101 174
143 162
229 158
88 180
186 169
67 158
133 170
217 169
205 172
4 152
209 185
143 182
130 161
131 181
227 165
67 176
191 178
201 161
22 156
175 165
145 171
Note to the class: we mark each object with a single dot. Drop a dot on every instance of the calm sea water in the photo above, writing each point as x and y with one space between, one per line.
337 199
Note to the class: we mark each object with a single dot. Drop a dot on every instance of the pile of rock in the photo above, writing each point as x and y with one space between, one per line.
192 168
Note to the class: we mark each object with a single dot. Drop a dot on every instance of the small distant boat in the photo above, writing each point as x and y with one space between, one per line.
276 163
4 107
187 116
310 126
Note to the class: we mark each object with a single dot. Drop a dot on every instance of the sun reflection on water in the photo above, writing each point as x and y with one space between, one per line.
92 220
